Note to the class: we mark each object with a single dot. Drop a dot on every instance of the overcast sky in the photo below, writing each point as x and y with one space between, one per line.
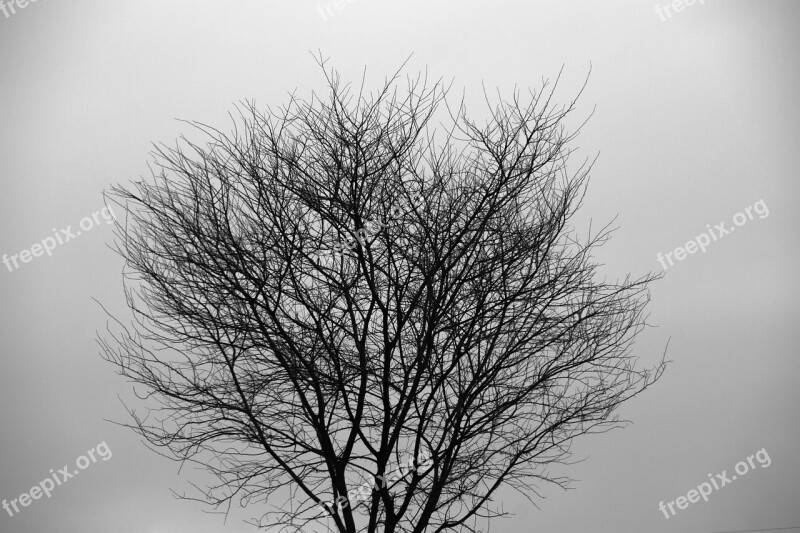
695 119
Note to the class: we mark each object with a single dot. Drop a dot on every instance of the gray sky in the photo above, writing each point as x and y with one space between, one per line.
696 119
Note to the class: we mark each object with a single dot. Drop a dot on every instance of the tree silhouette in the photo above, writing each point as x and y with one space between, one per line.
378 321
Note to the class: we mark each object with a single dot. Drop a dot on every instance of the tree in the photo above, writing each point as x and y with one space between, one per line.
335 288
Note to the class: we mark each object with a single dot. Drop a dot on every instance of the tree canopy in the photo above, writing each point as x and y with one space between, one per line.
377 320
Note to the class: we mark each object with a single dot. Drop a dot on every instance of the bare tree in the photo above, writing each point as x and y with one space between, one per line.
336 287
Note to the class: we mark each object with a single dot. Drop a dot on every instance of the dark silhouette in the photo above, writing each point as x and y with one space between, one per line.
373 322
